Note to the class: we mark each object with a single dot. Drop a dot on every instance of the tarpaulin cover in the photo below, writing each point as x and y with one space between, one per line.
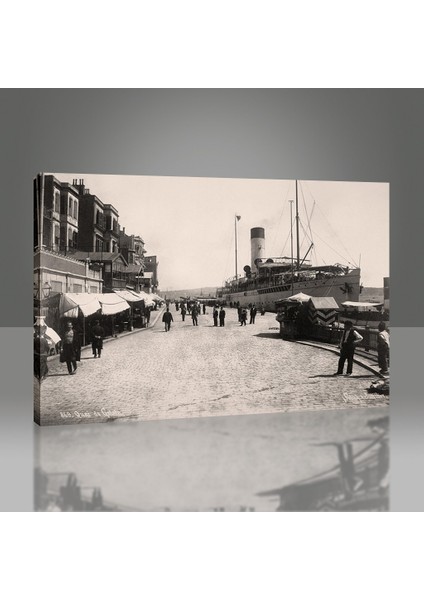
362 304
156 297
324 302
148 298
128 295
111 303
70 303
300 297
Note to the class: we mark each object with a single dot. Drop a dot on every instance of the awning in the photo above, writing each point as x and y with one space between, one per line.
324 303
157 298
70 303
148 298
128 295
111 303
362 304
300 297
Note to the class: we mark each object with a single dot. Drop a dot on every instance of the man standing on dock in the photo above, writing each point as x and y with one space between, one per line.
350 339
167 319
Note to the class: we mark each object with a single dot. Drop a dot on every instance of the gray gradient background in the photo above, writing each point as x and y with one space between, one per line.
356 135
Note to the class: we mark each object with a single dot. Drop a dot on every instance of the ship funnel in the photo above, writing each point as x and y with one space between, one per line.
257 246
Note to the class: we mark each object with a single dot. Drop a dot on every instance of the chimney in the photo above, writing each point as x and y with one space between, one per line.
257 245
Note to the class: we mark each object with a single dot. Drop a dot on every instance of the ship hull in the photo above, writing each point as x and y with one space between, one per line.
341 287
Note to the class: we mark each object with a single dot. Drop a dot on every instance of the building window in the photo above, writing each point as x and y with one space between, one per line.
93 289
75 209
74 239
70 207
56 286
56 235
56 206
77 288
69 238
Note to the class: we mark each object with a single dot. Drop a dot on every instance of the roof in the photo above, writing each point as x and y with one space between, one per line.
323 302
362 304
99 256
133 269
300 297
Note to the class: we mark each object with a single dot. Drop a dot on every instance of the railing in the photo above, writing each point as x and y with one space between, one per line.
332 335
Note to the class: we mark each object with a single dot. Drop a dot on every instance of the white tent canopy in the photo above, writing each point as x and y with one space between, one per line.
70 303
111 303
128 295
300 297
132 296
362 304
88 304
157 298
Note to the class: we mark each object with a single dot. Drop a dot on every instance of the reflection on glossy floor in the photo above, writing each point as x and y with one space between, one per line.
329 460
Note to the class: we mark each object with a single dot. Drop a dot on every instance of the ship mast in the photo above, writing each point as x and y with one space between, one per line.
291 242
297 230
235 243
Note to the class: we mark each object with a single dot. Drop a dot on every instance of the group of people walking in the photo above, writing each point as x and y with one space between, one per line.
218 314
242 314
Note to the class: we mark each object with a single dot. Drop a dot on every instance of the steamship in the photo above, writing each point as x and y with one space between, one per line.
270 279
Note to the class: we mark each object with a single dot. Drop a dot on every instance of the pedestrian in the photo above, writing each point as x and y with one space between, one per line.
239 309
243 317
383 348
204 308
253 312
350 339
71 348
41 352
222 317
98 334
183 312
215 317
194 314
167 319
177 305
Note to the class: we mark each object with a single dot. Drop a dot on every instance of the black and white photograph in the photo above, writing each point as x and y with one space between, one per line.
173 297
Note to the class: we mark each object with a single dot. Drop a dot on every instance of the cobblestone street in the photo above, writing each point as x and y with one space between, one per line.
201 371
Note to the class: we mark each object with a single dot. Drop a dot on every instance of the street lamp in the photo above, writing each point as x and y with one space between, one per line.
40 293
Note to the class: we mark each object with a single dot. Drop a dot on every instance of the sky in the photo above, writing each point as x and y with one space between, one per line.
189 222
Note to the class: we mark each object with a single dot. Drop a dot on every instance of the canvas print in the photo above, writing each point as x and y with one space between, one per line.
174 297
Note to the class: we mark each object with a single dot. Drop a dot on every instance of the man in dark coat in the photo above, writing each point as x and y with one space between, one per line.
253 312
194 313
71 349
167 319
98 334
243 317
222 317
350 339
183 311
215 317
